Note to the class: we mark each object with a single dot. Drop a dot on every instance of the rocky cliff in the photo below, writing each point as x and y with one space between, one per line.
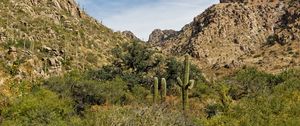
231 35
39 38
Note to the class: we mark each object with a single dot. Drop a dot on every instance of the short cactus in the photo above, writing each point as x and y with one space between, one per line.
186 84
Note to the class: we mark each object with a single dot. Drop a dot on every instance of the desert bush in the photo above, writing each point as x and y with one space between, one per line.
41 107
93 92
137 116
271 40
141 94
277 107
249 82
203 90
105 73
87 92
289 74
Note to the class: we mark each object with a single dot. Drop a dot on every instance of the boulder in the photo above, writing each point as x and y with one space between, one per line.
46 49
12 49
52 61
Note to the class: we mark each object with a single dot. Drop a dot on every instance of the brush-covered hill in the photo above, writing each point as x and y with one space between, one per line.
39 38
238 33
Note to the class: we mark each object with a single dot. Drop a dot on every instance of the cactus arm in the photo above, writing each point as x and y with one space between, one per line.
155 90
190 85
180 83
186 70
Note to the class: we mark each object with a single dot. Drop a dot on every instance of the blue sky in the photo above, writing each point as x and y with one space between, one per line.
143 16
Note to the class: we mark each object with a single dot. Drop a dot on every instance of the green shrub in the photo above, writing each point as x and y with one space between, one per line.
87 92
42 107
249 82
277 107
203 90
212 110
97 93
289 74
271 40
140 93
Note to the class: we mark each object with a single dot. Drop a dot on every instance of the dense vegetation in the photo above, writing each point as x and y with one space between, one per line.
121 94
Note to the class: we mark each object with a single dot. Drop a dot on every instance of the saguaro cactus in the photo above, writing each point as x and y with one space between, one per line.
163 89
163 92
186 84
155 90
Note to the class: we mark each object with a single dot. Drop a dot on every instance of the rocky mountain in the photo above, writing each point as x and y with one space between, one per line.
238 33
39 38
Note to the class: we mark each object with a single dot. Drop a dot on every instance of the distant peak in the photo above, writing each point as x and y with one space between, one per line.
158 36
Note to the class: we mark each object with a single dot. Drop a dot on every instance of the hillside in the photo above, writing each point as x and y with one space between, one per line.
39 38
237 33
60 67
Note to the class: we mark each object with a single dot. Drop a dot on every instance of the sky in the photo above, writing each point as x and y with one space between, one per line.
143 16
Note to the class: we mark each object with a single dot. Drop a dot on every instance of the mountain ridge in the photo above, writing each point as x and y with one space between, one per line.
231 35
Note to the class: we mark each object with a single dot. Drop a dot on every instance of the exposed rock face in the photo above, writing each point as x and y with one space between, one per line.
232 35
69 6
287 29
157 37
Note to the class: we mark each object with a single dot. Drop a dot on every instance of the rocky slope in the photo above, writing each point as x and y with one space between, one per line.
39 38
239 33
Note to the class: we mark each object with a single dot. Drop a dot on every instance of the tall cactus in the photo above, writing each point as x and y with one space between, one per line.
186 84
155 90
163 89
